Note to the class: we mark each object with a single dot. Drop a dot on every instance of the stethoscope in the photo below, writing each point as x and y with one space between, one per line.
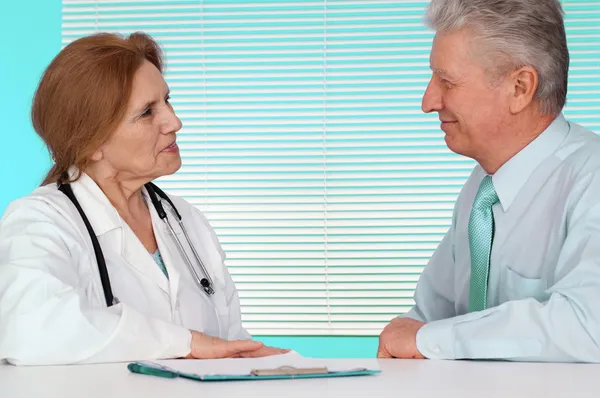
156 196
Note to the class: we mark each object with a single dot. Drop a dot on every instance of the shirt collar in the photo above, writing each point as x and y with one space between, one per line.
511 177
100 212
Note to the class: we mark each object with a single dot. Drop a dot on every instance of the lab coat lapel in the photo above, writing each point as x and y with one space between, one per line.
136 255
104 218
168 250
170 256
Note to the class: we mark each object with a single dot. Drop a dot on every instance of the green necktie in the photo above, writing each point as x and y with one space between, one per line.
481 235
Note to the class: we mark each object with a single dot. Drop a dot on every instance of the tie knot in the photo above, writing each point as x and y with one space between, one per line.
486 195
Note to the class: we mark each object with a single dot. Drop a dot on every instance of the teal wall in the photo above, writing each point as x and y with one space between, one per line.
30 32
326 347
35 32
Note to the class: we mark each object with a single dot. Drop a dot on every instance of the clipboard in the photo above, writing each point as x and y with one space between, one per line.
278 373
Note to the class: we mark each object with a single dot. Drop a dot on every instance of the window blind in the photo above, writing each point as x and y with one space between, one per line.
305 146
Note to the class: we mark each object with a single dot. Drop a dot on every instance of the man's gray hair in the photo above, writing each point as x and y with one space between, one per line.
511 34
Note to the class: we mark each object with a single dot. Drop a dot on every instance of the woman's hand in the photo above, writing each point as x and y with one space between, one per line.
264 351
209 347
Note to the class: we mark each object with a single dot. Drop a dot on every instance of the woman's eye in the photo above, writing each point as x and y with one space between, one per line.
147 112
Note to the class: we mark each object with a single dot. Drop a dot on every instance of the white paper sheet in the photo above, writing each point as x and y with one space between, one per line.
244 366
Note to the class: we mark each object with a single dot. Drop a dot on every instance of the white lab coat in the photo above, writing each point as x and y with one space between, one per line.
52 305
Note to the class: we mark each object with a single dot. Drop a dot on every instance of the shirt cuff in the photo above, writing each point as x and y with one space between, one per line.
435 340
439 340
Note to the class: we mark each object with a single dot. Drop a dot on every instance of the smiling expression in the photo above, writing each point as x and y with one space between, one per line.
471 107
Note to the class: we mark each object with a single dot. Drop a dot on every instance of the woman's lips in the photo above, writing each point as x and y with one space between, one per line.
171 148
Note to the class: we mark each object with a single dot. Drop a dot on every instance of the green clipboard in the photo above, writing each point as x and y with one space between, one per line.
284 372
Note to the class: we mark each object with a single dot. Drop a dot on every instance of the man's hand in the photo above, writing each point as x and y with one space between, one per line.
399 339
208 347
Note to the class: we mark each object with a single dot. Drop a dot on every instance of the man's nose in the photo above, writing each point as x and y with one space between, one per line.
432 98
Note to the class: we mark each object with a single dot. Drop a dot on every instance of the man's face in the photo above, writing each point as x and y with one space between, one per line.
472 108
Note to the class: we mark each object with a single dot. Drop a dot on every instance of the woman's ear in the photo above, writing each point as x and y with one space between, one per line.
98 155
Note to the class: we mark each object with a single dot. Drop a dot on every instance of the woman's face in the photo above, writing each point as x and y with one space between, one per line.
143 147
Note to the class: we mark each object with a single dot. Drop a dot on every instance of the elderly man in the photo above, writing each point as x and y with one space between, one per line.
517 276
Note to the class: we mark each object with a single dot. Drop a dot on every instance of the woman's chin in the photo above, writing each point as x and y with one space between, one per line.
170 167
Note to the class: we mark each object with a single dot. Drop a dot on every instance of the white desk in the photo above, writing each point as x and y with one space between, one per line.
399 378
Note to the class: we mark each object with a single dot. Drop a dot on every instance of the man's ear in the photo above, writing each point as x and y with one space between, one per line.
524 83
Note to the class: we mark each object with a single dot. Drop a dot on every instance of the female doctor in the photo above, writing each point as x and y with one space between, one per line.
95 265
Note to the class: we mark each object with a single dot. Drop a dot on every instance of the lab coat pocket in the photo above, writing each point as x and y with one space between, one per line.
518 287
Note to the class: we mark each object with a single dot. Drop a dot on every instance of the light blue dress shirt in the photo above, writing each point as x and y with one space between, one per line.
544 280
